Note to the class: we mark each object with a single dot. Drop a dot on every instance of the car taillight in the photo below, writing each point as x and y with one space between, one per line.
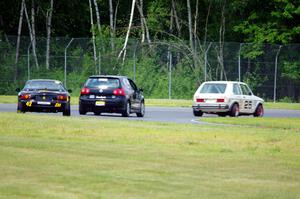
85 91
62 97
24 96
119 92
200 100
220 100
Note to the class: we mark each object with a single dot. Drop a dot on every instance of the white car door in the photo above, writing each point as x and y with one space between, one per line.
248 103
237 95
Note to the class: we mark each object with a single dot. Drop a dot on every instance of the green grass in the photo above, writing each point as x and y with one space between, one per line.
272 123
169 103
44 156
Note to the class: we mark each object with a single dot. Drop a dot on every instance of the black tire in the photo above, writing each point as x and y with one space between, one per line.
141 113
222 114
67 112
20 108
235 111
82 110
259 111
97 113
197 113
126 111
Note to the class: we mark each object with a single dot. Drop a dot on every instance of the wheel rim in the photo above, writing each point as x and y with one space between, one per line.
260 111
142 109
128 109
237 111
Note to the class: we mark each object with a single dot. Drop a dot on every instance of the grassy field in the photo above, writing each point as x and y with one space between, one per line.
45 156
169 103
272 123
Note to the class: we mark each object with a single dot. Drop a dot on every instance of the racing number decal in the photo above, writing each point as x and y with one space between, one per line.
248 105
29 103
58 105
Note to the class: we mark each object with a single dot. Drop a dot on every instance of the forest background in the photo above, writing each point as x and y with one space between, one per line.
168 47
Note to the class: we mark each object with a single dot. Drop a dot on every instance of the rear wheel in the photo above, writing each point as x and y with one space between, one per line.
141 113
82 110
97 113
222 114
67 112
235 111
126 112
259 112
20 108
197 113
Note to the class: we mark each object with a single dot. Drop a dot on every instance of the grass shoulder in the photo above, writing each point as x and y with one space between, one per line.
271 123
167 102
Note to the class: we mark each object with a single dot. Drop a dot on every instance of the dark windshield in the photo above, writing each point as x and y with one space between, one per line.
213 88
44 85
103 83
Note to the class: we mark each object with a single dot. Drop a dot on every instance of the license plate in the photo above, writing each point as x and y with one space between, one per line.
100 103
44 103
210 101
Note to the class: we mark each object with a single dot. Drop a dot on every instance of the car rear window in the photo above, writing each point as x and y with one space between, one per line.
44 85
213 88
103 83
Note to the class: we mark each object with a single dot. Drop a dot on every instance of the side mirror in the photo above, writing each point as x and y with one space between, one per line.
141 90
18 89
70 90
249 93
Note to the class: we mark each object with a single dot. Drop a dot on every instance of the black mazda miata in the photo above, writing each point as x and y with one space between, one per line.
42 95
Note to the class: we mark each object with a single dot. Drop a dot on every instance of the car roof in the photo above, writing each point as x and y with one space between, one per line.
46 80
107 76
224 82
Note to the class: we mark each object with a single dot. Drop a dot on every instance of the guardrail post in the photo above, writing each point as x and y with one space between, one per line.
65 73
239 69
275 74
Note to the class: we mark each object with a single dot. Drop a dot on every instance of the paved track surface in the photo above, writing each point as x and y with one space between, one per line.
160 114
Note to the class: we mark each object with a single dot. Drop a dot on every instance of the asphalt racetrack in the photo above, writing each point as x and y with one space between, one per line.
159 114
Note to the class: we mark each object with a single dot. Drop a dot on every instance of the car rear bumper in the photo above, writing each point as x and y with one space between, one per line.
214 108
35 106
117 105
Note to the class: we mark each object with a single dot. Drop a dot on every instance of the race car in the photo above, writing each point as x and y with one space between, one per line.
44 95
111 94
226 98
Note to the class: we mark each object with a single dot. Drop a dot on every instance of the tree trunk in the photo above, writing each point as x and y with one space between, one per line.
190 25
115 17
206 23
128 32
111 22
195 27
98 17
48 20
142 19
93 36
33 33
196 19
18 40
221 42
176 18
100 36
144 23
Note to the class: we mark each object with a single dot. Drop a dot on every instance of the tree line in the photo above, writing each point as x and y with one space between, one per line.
186 25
